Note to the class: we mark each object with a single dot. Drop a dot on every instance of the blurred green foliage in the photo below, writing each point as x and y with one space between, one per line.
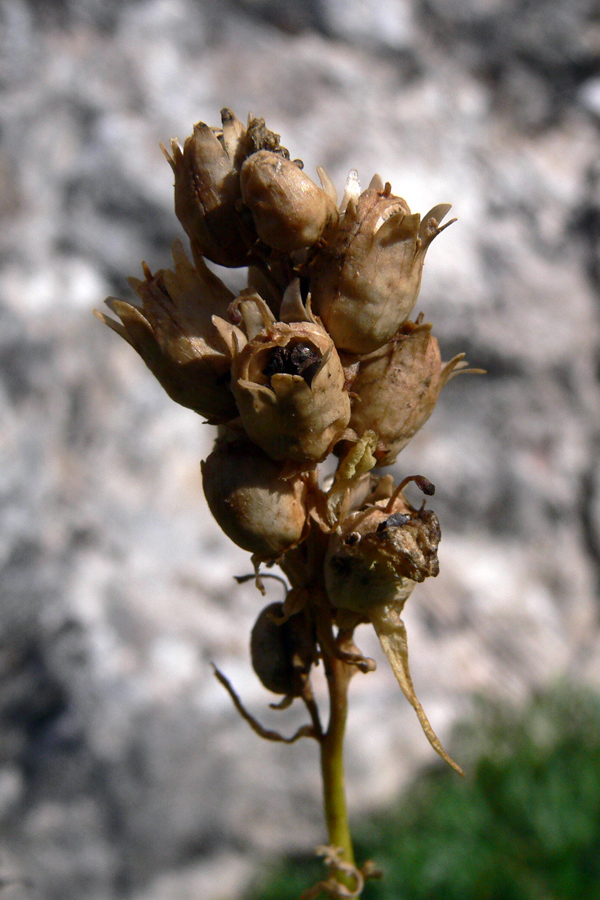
523 825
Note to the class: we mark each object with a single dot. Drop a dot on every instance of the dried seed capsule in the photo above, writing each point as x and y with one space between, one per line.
256 507
380 553
372 565
288 382
365 282
207 191
174 334
396 389
290 211
282 654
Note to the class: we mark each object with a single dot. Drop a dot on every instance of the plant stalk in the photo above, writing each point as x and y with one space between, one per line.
332 760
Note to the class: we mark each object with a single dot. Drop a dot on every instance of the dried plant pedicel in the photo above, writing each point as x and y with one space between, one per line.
316 356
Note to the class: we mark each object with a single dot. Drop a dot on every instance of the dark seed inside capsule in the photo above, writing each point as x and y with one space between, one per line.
299 359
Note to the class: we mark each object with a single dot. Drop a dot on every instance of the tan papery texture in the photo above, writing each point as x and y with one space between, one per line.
391 631
174 334
260 510
284 414
207 191
315 355
365 282
397 387
290 211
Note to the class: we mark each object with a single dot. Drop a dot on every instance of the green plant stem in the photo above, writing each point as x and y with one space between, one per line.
332 759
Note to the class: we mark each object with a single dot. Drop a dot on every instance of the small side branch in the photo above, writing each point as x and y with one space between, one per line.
267 734
313 710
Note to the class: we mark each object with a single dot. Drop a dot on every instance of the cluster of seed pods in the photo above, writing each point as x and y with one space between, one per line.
316 356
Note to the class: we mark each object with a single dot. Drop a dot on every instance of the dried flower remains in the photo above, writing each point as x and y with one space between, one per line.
318 355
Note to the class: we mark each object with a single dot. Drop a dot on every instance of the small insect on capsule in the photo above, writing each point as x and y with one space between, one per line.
394 521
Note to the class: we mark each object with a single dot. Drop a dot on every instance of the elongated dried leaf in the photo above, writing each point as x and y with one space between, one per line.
391 632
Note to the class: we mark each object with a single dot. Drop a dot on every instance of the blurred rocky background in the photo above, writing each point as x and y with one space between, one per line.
124 771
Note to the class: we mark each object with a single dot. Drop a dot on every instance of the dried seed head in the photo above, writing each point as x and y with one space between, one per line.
282 652
379 553
207 191
259 509
290 211
288 382
174 334
396 389
365 282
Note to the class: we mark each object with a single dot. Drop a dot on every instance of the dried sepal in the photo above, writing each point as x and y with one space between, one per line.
173 333
253 314
366 280
293 308
290 211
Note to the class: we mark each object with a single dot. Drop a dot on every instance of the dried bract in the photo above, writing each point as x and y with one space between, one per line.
372 567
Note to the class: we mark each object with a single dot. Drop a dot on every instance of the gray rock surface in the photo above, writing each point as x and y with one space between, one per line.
124 772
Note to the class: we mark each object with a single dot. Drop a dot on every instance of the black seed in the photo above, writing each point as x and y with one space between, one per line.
299 359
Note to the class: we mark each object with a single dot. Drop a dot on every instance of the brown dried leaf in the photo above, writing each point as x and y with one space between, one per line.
391 632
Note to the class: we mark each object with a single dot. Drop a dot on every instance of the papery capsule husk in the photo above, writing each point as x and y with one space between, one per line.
380 553
397 387
207 192
372 566
174 334
290 211
283 653
291 416
365 281
259 506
